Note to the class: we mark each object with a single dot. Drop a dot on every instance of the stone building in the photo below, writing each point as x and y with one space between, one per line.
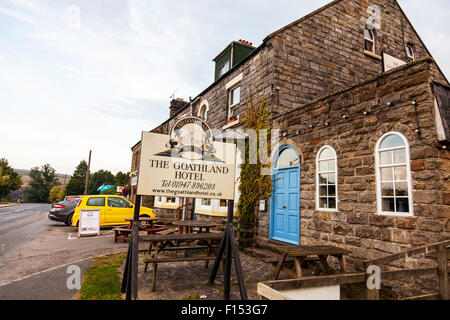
364 116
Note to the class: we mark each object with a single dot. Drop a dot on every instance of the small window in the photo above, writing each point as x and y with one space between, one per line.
203 113
206 202
394 175
223 203
369 40
235 96
326 179
288 158
171 200
410 51
225 68
96 202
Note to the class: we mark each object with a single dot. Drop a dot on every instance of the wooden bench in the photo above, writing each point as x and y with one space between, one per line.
124 233
160 242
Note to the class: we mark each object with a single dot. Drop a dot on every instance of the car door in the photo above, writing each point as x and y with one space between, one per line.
97 203
118 210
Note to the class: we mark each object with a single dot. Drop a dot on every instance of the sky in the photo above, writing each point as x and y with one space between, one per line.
80 75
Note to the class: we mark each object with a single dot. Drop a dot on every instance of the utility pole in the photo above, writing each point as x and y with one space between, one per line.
87 173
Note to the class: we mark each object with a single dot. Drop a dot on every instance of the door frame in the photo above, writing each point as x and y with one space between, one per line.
272 199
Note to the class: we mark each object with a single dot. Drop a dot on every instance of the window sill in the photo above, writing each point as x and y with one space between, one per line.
373 55
393 214
327 210
231 124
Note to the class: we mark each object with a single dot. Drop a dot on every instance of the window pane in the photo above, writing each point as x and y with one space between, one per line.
223 203
332 178
331 166
323 191
331 191
400 173
322 166
326 153
287 158
236 95
206 202
225 68
401 189
392 141
96 202
323 203
387 189
386 174
331 203
388 205
400 156
402 205
323 178
385 157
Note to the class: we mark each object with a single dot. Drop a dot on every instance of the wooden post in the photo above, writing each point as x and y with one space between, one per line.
87 173
442 271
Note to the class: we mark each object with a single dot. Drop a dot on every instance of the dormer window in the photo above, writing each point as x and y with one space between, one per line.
410 51
369 40
225 68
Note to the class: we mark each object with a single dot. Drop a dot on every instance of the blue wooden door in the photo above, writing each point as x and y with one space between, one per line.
285 211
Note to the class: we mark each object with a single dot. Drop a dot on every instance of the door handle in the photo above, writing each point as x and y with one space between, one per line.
284 207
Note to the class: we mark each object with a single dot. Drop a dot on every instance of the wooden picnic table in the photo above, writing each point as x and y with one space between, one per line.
187 226
123 233
161 242
300 254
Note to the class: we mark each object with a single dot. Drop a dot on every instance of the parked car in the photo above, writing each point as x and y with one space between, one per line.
113 209
64 210
67 198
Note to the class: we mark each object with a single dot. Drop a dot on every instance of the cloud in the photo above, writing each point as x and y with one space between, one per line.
14 14
25 4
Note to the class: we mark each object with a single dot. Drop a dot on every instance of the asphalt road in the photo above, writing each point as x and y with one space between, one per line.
21 224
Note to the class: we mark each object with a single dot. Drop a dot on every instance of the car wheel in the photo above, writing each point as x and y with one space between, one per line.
143 224
69 220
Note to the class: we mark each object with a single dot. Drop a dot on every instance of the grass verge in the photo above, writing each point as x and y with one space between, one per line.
102 280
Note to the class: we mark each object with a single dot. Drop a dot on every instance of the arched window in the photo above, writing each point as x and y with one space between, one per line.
203 111
394 175
326 183
288 158
369 40
410 51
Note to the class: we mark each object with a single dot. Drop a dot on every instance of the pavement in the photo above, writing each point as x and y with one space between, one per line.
35 253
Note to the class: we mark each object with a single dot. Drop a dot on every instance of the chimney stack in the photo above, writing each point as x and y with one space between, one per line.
245 43
176 105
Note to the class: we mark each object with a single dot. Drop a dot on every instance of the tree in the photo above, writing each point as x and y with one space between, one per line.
254 186
99 178
75 186
42 180
9 180
56 194
122 179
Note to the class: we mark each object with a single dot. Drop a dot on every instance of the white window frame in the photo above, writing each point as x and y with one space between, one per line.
372 32
408 177
161 201
408 47
318 208
221 68
203 105
230 95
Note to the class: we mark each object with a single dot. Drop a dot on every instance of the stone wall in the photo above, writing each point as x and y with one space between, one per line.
356 226
324 52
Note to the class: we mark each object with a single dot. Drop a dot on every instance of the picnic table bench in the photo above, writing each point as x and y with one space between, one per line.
304 253
160 242
123 233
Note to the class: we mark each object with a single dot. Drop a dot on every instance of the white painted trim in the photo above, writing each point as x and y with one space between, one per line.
167 205
203 104
233 82
317 179
439 125
408 178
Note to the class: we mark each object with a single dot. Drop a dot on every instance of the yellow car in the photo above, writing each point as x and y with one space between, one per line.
113 210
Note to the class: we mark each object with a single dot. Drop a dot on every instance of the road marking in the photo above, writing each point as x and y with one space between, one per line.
2 284
70 238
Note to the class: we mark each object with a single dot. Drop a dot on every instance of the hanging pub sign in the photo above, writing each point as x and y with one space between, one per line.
187 163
